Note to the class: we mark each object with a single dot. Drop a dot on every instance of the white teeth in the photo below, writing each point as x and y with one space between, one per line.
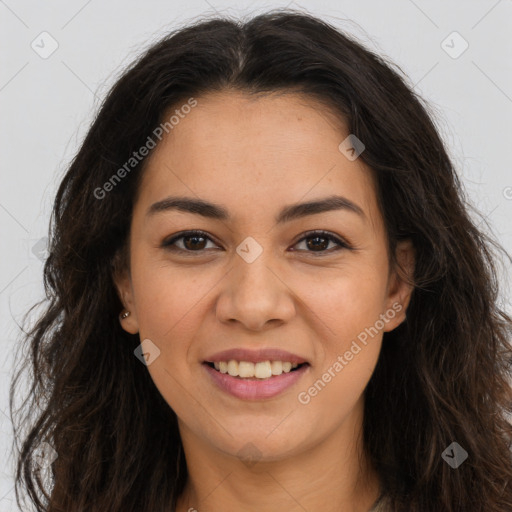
277 367
245 369
261 370
233 368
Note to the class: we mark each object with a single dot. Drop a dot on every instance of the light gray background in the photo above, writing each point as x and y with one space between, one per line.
47 104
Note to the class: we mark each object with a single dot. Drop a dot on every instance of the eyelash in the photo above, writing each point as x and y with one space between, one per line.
342 244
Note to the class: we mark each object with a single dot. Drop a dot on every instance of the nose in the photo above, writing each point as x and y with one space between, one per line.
255 295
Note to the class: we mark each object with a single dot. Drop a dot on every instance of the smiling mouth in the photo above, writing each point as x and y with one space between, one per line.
263 370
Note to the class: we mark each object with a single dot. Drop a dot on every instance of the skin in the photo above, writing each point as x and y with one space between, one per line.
253 155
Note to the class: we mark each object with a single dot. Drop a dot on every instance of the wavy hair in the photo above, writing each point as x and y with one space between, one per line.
443 375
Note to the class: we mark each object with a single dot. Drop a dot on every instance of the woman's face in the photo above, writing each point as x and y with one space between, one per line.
253 283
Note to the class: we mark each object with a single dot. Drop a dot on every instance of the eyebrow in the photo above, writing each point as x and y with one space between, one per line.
287 214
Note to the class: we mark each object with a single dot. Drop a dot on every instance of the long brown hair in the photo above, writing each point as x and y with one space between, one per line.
442 376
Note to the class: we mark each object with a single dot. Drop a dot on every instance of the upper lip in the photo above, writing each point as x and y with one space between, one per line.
255 356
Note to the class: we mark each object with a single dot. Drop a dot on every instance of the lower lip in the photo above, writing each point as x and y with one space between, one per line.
256 389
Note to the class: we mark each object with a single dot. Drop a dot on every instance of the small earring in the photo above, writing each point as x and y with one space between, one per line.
124 315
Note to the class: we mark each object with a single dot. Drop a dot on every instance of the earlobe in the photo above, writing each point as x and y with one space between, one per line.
123 284
127 317
128 322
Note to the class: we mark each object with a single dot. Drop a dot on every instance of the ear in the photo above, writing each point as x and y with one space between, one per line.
400 284
123 283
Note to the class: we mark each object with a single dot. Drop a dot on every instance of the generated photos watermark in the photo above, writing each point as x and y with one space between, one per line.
138 156
304 397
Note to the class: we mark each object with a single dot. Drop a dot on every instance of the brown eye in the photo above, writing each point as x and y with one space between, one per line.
190 241
194 242
318 242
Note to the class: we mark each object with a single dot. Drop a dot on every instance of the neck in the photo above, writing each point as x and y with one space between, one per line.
330 476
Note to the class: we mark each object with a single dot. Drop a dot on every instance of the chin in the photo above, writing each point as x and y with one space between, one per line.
252 448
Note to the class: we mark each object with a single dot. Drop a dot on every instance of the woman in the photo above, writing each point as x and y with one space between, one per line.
266 293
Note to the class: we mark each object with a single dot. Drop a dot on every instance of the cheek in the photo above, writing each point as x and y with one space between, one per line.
346 310
168 299
344 301
168 302
341 375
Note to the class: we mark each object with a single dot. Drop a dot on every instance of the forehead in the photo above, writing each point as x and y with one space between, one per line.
243 151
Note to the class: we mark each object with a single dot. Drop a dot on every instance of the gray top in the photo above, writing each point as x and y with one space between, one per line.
381 505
